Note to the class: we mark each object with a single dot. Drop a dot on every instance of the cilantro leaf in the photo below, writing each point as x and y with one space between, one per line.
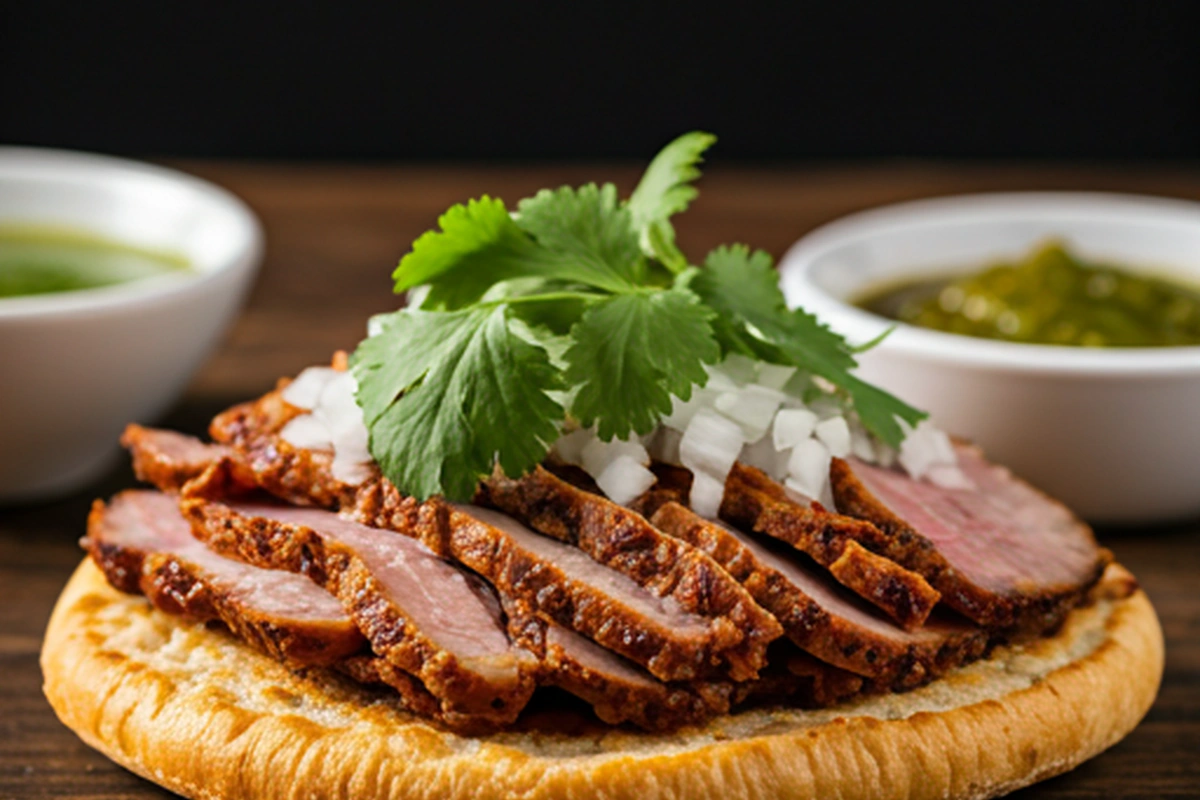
477 246
447 394
666 190
588 225
631 352
754 320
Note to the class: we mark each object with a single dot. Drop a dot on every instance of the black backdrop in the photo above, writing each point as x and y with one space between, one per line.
788 80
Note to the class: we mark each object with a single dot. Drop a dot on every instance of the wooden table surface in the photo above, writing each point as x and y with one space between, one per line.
334 234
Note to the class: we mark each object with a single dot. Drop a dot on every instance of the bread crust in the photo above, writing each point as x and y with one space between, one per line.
205 716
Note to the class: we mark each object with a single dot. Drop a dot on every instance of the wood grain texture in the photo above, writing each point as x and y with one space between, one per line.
334 234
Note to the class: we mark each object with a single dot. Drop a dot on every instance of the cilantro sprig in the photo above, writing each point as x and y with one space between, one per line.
577 304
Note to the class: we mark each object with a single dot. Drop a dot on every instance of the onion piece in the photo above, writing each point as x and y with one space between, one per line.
753 408
569 447
834 433
624 479
949 476
307 432
305 391
925 447
774 376
738 368
707 494
809 467
682 411
792 426
711 444
598 454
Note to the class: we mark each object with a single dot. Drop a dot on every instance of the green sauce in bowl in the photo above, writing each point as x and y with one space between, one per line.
44 260
1049 297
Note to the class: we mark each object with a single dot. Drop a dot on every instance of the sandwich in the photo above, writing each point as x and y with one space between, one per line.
585 519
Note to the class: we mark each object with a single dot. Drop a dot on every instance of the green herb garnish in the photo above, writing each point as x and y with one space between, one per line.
578 304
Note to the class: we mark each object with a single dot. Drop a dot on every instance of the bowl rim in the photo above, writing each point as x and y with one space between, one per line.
967 351
41 162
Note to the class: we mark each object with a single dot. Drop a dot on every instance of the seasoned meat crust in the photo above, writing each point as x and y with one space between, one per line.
168 459
819 618
179 577
380 598
618 691
625 541
844 546
989 575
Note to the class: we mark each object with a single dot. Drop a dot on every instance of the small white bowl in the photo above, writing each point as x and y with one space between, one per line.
75 367
1114 433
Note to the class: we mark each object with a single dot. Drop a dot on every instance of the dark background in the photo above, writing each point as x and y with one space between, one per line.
524 81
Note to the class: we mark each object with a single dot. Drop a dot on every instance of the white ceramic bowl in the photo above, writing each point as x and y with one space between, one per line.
1114 433
75 367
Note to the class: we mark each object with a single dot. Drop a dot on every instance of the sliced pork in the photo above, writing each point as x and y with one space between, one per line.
144 545
844 546
617 690
1000 552
626 542
419 612
168 459
818 616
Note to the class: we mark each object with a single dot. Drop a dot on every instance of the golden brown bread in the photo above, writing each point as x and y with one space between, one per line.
192 709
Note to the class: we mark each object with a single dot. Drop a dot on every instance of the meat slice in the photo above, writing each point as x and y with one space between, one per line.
625 541
818 616
618 690
144 545
1001 553
419 612
843 545
303 477
168 459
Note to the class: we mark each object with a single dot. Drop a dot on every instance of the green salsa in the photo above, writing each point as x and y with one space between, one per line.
1049 297
42 260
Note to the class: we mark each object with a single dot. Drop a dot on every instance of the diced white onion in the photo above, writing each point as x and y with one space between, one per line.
834 433
351 442
598 454
923 448
349 471
624 479
861 445
797 493
707 493
809 467
305 390
774 376
308 433
739 369
711 443
569 447
337 406
792 426
752 407
683 411
949 476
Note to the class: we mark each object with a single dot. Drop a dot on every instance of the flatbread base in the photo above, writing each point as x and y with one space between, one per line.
191 708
